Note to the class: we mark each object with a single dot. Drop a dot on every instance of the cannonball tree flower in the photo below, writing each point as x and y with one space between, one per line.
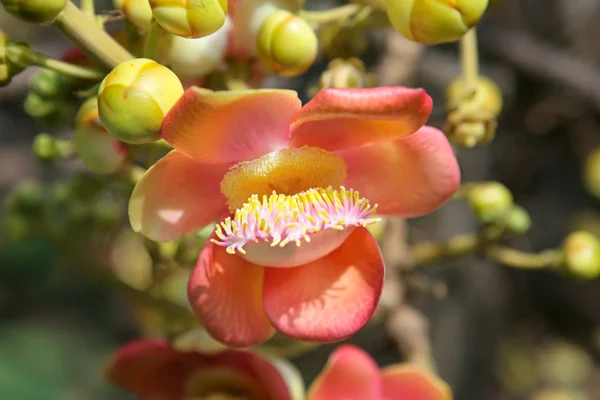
152 369
351 374
291 253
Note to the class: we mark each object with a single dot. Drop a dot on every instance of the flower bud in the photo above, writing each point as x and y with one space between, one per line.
434 21
98 150
134 98
34 11
44 147
472 116
517 219
138 12
582 255
190 19
8 69
591 173
349 73
287 43
194 58
490 200
49 83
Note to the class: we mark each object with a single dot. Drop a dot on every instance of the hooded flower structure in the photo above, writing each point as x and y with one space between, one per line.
352 375
291 252
153 370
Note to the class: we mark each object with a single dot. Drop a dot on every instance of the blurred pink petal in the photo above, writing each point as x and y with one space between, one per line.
230 126
409 177
336 119
329 299
401 382
177 196
350 374
225 292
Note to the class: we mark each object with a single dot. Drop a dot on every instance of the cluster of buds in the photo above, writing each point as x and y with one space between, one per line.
472 115
434 21
48 148
8 69
50 98
340 73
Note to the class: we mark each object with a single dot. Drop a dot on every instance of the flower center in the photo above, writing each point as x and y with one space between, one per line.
261 229
287 171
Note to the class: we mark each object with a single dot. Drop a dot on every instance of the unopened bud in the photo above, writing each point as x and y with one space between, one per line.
8 69
98 150
134 98
490 200
472 115
287 43
517 219
44 147
582 255
34 11
434 21
349 73
138 12
190 19
591 173
49 83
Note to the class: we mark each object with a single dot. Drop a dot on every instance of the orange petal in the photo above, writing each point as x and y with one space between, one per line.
329 299
401 382
177 196
409 177
225 292
350 374
231 126
152 368
336 119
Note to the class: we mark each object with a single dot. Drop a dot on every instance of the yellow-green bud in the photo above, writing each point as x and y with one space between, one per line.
8 69
50 83
591 173
434 21
37 106
35 11
582 255
98 150
490 200
44 147
349 73
517 219
134 98
190 19
138 12
287 43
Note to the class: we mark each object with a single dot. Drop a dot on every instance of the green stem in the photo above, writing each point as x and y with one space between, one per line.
87 7
519 259
340 13
469 60
459 245
25 56
83 32
152 40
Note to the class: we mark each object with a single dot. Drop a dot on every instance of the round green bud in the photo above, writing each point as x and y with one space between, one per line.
8 69
582 255
517 219
48 83
341 74
591 173
34 11
486 99
97 149
37 106
434 21
190 19
490 200
287 43
138 12
44 147
134 98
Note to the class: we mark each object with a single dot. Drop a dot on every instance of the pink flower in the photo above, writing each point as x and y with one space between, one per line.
300 262
153 370
352 375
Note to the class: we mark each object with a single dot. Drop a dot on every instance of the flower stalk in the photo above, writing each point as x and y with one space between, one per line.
469 61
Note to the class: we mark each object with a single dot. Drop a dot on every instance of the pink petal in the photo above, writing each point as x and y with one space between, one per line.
350 374
152 368
225 292
177 196
408 177
401 382
336 119
230 126
329 299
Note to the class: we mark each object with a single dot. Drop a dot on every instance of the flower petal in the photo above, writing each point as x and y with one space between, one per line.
329 299
225 292
231 126
406 381
350 374
177 196
336 119
425 173
152 368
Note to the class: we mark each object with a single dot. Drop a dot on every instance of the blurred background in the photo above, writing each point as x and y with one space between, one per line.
496 333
